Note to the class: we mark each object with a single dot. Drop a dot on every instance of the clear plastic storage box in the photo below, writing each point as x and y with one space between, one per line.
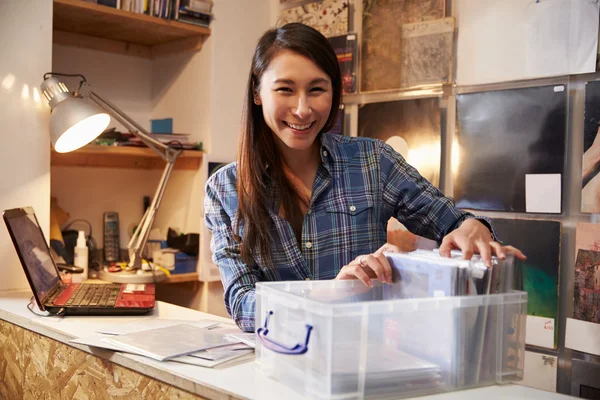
342 340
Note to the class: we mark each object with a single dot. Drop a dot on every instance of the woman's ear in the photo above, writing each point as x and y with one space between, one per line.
256 99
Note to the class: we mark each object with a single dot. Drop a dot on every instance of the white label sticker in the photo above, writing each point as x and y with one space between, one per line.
134 287
583 336
540 331
559 88
543 193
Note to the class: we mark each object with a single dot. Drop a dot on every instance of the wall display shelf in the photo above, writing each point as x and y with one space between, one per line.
397 94
81 24
123 157
179 278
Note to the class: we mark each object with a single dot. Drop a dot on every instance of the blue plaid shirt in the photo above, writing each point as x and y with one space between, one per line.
359 185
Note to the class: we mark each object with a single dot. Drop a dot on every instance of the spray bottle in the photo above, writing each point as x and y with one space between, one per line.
81 255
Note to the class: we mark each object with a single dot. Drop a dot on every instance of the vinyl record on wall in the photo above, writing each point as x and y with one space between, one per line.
586 306
539 275
405 43
590 180
330 17
411 127
345 48
509 152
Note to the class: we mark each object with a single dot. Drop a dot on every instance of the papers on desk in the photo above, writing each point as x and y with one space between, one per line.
190 342
154 323
216 356
172 341
248 338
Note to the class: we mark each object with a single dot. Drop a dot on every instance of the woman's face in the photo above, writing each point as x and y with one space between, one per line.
296 97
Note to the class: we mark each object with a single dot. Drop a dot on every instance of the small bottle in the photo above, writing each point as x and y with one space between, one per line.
81 255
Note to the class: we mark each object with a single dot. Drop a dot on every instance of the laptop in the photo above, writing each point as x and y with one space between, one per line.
56 297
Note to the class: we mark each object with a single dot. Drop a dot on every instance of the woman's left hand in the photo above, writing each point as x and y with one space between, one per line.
474 237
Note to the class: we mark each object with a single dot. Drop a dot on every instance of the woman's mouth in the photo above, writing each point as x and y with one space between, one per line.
299 127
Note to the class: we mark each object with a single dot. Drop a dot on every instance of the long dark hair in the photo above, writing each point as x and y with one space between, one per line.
257 149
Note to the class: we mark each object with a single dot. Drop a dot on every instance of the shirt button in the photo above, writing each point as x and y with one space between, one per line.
309 211
324 153
308 245
352 208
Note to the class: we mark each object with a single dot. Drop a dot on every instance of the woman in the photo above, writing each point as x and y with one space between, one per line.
304 204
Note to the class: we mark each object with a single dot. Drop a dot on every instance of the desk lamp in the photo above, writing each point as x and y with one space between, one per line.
78 118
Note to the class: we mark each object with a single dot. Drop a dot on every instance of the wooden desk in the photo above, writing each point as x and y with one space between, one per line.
36 361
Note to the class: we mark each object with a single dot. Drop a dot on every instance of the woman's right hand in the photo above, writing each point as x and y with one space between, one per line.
370 266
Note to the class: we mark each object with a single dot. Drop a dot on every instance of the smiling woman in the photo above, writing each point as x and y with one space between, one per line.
295 95
302 203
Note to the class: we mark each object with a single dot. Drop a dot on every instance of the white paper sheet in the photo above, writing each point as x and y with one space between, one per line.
522 39
146 324
210 363
221 352
543 193
169 342
540 371
205 358
540 331
583 336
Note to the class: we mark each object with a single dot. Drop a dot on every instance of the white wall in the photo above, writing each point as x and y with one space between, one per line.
235 32
122 80
181 90
26 48
88 192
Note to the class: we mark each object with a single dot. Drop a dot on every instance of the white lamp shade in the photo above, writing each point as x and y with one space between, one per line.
75 122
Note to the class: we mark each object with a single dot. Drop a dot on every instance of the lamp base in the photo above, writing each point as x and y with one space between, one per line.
132 276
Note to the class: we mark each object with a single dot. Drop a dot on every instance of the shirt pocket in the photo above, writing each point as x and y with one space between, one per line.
353 222
357 207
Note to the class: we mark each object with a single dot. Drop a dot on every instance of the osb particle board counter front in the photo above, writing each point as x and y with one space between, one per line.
36 361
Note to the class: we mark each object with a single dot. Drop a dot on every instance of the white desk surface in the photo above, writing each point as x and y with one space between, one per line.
240 380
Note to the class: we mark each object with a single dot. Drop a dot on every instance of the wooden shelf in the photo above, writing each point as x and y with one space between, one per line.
123 157
81 24
179 278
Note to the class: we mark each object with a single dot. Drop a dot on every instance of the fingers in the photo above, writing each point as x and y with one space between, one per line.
354 271
516 252
369 266
379 264
467 251
498 250
446 247
362 275
485 250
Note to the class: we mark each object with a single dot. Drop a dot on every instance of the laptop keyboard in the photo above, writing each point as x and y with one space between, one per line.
92 295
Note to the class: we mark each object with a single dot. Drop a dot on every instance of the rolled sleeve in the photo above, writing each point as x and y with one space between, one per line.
416 203
239 279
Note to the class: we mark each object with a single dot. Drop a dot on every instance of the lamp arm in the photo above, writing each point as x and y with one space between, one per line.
159 148
140 236
168 154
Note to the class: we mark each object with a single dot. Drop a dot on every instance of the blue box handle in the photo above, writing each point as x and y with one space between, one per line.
278 347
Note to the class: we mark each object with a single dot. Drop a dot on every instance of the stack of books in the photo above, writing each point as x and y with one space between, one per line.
195 12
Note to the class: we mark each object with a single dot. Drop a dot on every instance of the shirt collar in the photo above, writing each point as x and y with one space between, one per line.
327 148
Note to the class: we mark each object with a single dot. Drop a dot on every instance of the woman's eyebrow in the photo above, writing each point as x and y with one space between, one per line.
291 82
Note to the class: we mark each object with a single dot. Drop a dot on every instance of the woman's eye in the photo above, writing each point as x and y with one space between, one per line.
317 89
283 89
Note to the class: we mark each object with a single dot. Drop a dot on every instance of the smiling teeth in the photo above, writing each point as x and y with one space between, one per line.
299 127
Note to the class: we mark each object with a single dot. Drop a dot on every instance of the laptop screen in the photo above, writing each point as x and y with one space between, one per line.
33 251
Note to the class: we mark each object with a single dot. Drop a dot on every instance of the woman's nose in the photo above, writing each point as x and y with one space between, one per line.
302 109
